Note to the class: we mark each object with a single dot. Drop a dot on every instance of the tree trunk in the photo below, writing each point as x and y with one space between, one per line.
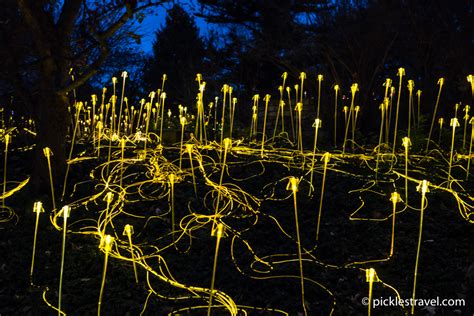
51 117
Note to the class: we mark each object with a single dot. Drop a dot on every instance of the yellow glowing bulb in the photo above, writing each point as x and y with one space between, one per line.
317 123
336 87
406 142
401 71
320 77
293 184
423 187
395 198
371 275
299 106
302 75
220 230
441 81
47 152
227 143
354 88
189 148
38 207
128 230
109 197
284 75
66 211
454 122
411 85
108 242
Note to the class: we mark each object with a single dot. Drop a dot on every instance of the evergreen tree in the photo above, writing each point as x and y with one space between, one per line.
178 52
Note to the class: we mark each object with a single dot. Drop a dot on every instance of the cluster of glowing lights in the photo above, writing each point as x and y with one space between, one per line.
134 164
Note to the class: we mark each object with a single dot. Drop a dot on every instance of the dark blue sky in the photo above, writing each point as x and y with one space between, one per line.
156 20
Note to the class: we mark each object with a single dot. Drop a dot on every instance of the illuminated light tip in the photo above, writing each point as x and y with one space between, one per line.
370 275
284 75
152 94
109 197
108 241
163 95
326 157
172 177
94 98
198 77
454 122
401 71
128 230
303 75
267 98
227 143
66 211
423 186
406 142
124 74
220 230
280 88
411 85
395 198
357 108
169 113
234 101
345 109
288 89
317 123
282 103
293 184
255 97
47 152
441 121
336 87
299 106
182 120
441 81
114 80
320 77
38 207
354 88
418 93
388 82
189 148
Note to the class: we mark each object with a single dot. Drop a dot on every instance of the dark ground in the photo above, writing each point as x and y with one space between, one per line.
446 267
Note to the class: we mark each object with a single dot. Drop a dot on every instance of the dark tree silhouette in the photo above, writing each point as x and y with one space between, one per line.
178 52
55 37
